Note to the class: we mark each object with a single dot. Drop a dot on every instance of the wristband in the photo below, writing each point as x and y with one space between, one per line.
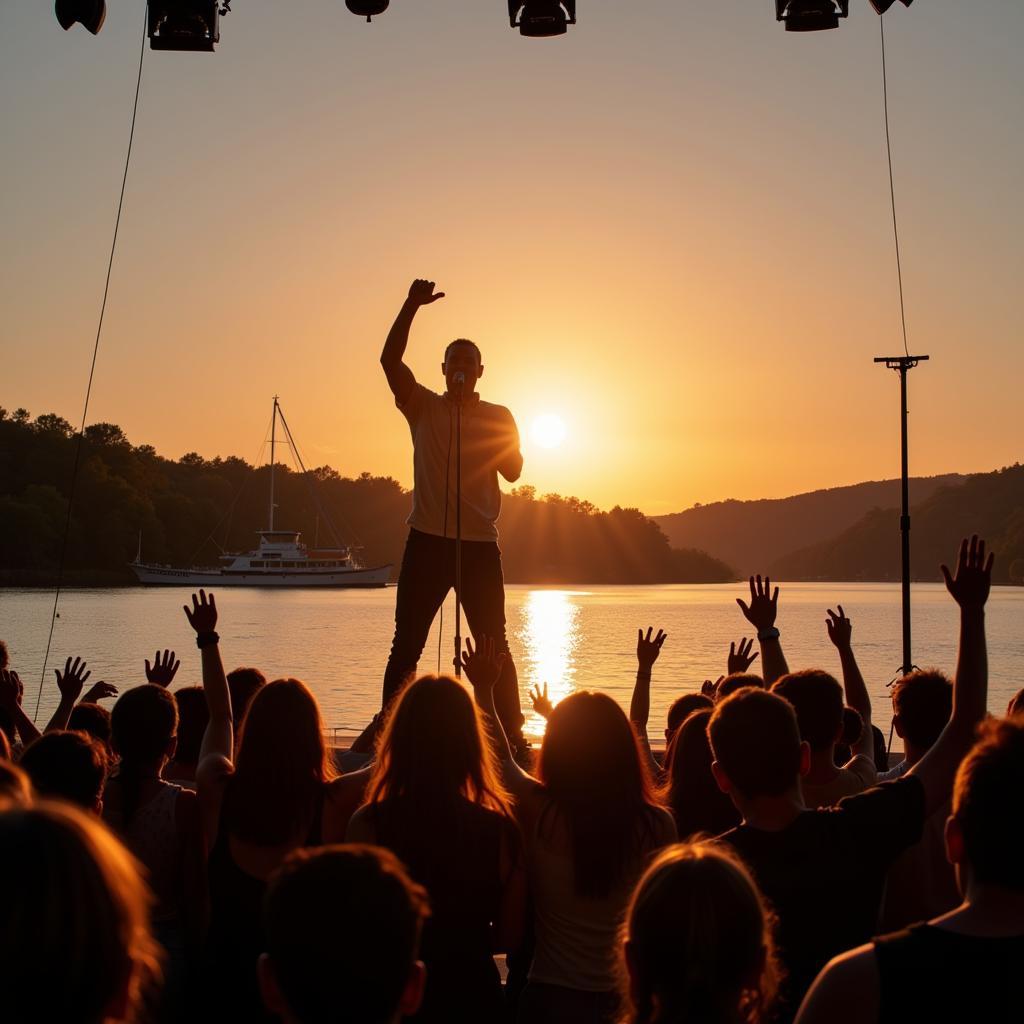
206 639
768 634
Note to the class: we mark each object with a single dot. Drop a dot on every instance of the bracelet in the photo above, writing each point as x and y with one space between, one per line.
771 633
207 639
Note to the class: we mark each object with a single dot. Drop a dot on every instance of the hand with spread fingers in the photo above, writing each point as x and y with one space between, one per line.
740 658
202 616
648 649
840 629
541 702
72 680
482 664
764 605
970 585
163 669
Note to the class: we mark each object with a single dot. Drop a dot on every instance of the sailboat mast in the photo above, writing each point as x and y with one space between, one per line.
273 437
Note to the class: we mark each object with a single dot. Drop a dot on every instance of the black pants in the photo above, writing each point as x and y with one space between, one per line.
426 576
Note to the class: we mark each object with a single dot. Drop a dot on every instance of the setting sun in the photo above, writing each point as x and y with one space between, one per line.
548 430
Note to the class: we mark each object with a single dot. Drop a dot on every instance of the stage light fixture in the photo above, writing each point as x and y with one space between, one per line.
89 12
367 9
881 6
192 25
541 18
811 15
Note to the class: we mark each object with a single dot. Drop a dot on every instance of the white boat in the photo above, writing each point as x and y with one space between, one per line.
279 560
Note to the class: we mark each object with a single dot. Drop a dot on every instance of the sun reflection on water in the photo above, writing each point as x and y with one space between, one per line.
549 634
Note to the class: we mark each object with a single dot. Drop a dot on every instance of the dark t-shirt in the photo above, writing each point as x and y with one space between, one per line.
927 973
824 874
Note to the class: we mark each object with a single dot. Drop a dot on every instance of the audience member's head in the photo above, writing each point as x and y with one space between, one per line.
243 685
144 727
434 747
681 709
692 794
737 681
921 704
193 716
15 787
280 767
343 923
817 699
985 834
756 742
75 928
697 941
68 766
5 657
93 719
597 782
853 729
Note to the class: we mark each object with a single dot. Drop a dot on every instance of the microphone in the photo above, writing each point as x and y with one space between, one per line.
459 380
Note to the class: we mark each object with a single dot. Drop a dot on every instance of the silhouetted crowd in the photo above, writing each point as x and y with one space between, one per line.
203 854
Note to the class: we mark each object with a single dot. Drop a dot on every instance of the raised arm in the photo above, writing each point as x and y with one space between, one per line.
218 739
400 377
761 614
70 683
483 667
11 693
840 632
647 651
510 458
969 587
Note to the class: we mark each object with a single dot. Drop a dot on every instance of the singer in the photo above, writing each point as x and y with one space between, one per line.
490 445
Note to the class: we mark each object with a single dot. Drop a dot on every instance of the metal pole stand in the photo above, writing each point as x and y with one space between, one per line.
901 364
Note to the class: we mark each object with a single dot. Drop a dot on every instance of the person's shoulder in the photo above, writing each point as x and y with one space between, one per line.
419 397
845 992
863 768
494 409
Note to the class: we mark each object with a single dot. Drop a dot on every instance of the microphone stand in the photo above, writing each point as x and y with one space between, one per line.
458 529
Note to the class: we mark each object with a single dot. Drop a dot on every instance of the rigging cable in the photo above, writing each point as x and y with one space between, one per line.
892 191
92 371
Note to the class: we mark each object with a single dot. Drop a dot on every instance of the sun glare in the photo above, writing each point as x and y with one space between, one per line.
548 430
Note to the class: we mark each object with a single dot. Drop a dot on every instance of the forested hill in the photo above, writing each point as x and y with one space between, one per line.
190 510
756 536
990 504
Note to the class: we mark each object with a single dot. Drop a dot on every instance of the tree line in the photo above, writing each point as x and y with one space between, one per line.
191 510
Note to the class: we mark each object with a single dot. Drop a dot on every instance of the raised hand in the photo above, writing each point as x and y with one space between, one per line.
163 670
840 629
422 292
740 658
710 689
99 691
10 690
973 580
71 681
647 650
202 616
541 702
483 665
764 605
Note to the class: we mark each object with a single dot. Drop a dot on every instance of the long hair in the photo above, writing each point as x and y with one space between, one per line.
690 791
75 928
434 748
596 781
697 942
281 767
142 725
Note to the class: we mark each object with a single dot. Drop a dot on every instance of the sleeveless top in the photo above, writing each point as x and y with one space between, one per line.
236 939
927 973
152 836
456 857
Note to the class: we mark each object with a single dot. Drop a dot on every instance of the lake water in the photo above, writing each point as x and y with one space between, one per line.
338 641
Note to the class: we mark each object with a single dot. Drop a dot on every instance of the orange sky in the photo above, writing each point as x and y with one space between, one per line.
670 227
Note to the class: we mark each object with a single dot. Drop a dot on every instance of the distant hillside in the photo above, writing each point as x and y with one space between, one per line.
754 536
990 504
188 511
